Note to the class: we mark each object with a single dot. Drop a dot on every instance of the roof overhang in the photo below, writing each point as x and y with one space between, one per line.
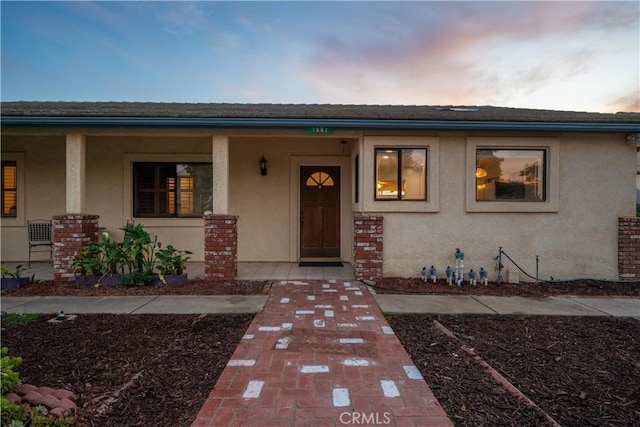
290 123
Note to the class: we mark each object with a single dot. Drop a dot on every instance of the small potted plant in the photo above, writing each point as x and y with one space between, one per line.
172 265
12 280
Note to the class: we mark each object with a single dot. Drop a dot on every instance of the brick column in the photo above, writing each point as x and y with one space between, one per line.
629 249
368 247
71 233
220 246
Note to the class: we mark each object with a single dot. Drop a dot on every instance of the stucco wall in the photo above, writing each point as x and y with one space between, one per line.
595 177
267 205
578 239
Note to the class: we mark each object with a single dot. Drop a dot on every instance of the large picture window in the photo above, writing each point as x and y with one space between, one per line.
162 190
401 174
9 189
510 174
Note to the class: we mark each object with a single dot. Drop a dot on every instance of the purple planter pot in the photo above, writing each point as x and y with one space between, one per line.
9 283
109 280
171 280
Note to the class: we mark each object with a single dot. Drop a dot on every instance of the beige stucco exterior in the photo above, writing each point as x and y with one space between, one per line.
591 182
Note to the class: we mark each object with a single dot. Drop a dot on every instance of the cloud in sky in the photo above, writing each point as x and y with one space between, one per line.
556 55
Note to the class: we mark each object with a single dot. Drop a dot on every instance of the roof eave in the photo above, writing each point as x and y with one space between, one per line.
289 123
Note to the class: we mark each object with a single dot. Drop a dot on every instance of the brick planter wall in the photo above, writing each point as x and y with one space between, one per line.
367 246
220 246
629 249
71 233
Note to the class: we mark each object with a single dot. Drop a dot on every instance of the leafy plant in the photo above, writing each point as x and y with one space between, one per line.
172 261
137 254
139 249
88 262
137 278
10 379
15 274
32 416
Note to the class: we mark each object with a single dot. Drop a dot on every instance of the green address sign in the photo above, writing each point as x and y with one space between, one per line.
319 130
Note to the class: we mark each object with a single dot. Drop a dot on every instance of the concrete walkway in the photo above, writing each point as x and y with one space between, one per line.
427 304
320 354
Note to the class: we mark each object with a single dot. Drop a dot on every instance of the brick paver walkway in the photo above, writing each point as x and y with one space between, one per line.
320 354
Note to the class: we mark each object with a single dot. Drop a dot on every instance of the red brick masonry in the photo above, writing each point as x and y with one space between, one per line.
629 248
71 233
320 354
367 246
220 246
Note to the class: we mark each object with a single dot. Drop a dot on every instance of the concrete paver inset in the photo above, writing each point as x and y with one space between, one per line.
338 369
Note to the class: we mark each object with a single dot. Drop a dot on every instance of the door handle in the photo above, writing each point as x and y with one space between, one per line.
301 217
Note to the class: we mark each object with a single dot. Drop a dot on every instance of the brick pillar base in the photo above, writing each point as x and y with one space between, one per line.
220 247
368 248
71 233
629 249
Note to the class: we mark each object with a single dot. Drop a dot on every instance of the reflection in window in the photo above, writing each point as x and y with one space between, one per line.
172 189
510 175
401 174
9 189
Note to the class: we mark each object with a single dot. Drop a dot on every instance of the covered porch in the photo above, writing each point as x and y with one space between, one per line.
246 271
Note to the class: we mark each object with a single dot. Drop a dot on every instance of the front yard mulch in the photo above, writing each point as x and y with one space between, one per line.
580 371
142 370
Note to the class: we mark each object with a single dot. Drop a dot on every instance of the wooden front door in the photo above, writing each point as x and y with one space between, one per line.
319 211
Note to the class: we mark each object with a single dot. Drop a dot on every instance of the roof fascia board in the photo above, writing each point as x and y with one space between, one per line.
277 123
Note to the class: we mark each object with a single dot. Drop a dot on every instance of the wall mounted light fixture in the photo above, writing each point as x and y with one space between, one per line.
263 166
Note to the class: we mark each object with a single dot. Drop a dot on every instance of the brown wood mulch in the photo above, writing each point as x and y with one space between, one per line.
142 370
390 285
193 287
577 371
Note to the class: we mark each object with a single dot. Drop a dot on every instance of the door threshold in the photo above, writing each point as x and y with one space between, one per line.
320 262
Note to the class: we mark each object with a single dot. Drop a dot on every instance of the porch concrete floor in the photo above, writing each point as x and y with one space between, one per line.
246 271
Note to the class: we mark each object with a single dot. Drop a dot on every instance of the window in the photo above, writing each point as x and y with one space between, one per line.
9 189
163 190
401 174
510 174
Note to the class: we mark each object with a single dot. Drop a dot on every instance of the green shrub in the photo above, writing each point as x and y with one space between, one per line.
137 278
9 376
10 320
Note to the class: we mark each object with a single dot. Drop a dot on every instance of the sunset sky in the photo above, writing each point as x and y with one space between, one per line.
581 56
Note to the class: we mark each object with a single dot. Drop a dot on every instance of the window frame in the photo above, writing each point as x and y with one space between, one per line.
5 189
399 174
543 174
19 219
132 210
551 190
368 202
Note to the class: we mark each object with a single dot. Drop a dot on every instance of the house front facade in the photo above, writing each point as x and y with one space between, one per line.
389 189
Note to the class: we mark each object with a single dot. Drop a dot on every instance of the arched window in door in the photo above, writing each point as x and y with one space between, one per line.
320 179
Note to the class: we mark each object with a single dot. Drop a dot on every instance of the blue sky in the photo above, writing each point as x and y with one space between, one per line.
581 56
